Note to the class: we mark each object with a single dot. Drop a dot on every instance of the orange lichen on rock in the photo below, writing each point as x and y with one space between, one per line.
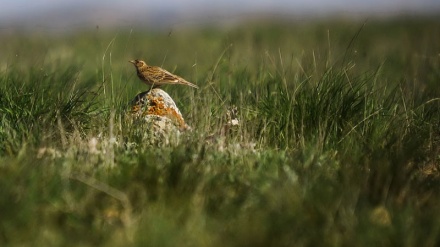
157 102
156 106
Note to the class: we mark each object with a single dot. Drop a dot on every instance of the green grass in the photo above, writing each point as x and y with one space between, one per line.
338 142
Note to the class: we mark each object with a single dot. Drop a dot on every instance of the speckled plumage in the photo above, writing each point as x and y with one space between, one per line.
156 76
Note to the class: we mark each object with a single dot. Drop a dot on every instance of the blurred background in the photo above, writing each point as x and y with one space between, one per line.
338 142
68 14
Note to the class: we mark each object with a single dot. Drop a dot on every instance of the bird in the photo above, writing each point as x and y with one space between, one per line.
156 76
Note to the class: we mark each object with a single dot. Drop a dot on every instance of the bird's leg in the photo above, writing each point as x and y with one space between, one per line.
152 86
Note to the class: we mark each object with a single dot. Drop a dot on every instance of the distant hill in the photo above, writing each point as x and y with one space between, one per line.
163 15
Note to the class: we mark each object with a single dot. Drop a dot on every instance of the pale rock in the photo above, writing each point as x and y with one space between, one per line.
158 116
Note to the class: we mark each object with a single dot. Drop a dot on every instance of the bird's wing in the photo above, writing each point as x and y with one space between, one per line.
170 78
162 75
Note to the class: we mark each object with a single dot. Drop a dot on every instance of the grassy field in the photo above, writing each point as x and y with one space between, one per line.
338 142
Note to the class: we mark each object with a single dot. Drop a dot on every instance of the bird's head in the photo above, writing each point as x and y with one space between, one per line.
138 63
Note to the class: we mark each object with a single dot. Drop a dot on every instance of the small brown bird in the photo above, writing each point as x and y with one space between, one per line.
156 76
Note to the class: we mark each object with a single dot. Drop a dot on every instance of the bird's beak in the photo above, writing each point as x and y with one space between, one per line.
132 61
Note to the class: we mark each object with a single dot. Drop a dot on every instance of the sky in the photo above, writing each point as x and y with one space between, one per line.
67 11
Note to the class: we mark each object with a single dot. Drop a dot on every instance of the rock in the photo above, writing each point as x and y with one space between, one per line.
156 109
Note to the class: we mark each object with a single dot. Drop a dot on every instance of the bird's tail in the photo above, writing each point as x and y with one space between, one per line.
184 82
